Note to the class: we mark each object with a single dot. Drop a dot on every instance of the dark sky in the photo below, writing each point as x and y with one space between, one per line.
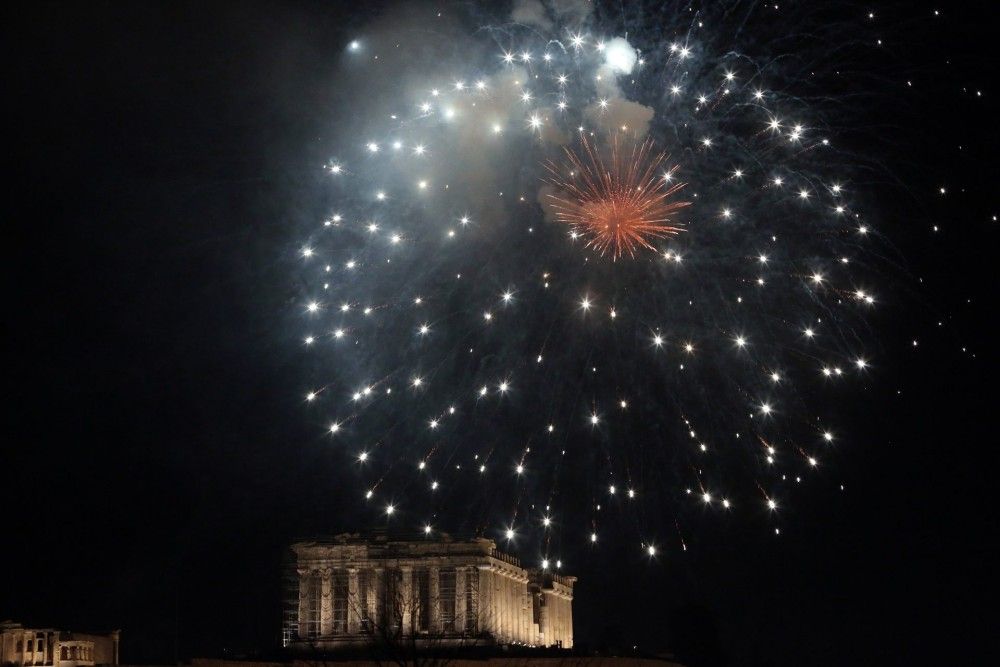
156 464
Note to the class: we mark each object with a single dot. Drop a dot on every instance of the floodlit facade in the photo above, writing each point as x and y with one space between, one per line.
350 591
55 648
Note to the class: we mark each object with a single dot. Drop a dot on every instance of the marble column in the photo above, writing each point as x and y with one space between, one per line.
355 602
510 610
526 614
378 606
473 600
434 582
485 607
557 626
519 609
406 599
551 617
501 588
303 602
326 603
459 599
515 609
567 624
543 619
508 603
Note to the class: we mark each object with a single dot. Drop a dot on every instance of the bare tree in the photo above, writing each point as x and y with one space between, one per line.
416 621
393 615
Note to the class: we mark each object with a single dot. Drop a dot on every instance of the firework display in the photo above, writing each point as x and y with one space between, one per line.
620 204
581 285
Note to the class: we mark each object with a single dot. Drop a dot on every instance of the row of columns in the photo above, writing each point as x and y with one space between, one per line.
556 620
503 604
26 647
35 650
82 652
505 609
365 603
41 648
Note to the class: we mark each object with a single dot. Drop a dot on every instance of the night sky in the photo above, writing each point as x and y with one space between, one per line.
157 461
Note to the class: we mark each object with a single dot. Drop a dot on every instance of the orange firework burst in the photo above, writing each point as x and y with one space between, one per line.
620 204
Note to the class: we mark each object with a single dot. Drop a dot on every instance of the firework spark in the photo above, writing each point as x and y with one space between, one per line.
619 204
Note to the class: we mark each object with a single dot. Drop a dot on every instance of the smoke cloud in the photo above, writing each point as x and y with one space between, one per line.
484 123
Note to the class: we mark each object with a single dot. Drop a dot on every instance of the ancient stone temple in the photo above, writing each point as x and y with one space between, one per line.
45 646
350 591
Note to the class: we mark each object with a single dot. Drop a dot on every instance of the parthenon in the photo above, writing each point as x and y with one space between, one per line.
350 591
